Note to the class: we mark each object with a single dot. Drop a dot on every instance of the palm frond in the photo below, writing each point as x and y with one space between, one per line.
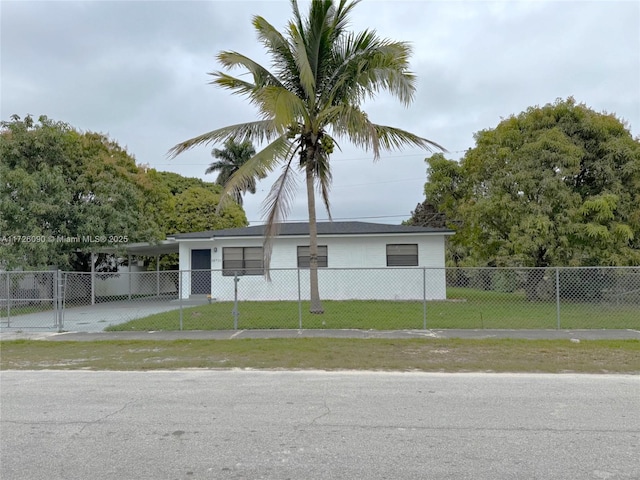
271 38
392 138
215 167
386 69
237 86
352 123
258 166
259 131
261 76
348 121
276 208
364 64
340 19
282 106
306 73
317 35
283 59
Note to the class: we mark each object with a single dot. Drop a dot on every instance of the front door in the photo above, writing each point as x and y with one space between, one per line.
201 272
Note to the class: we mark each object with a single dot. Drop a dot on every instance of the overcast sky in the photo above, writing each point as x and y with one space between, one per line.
137 71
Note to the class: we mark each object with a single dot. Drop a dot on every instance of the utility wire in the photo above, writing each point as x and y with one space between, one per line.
289 220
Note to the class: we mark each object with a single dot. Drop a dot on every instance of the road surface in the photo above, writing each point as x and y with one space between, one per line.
239 424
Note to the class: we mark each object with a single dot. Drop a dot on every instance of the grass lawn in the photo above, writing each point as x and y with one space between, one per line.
465 308
434 355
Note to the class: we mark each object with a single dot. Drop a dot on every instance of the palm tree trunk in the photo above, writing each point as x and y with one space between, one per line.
316 304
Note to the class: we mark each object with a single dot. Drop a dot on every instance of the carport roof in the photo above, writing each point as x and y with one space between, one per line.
162 247
324 228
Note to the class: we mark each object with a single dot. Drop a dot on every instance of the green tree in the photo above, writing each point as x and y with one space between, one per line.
230 159
177 184
557 185
196 211
321 74
426 215
191 206
58 183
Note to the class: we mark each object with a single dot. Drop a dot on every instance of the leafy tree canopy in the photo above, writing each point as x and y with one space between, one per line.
177 184
196 212
64 193
427 215
557 185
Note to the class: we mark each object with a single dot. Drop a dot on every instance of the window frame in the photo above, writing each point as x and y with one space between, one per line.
246 266
321 257
392 258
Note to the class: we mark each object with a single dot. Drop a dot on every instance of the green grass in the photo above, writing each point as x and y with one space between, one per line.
465 308
434 355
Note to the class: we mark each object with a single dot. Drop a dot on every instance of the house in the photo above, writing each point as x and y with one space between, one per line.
356 260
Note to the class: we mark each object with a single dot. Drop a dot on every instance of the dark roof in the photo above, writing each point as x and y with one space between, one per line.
324 228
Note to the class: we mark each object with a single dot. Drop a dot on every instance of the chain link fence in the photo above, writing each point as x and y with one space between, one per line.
385 299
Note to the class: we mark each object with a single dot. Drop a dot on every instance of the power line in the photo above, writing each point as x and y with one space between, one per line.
339 218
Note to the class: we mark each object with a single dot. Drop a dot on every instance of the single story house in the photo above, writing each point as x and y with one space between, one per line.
357 260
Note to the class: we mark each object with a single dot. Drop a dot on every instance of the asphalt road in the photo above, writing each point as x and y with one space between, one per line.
201 424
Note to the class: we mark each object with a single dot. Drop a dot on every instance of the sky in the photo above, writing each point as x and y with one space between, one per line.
138 72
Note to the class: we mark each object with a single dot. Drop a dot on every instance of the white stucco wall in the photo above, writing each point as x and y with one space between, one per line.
356 269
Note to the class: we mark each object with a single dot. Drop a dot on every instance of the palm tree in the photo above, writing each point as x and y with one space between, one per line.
321 74
231 158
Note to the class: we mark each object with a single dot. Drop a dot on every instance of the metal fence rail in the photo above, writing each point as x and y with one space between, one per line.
389 298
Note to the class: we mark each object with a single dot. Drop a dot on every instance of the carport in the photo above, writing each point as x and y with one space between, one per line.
142 249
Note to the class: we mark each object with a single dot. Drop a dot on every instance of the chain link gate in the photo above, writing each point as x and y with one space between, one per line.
30 300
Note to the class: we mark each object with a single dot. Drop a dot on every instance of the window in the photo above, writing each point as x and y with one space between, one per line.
242 260
402 255
303 256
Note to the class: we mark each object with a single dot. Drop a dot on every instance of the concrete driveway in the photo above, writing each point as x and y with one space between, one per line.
90 318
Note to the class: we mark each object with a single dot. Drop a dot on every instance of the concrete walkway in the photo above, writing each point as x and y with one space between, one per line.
575 335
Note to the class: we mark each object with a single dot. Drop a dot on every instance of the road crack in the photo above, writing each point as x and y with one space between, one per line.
101 419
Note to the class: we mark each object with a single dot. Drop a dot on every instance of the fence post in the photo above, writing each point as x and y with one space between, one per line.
180 295
93 278
8 300
56 296
299 303
424 298
235 300
64 276
158 276
129 270
59 299
557 298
